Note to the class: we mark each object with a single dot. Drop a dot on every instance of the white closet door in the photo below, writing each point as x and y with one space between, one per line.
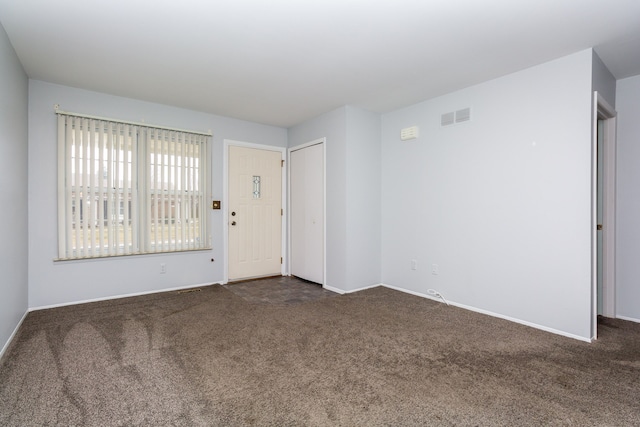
307 213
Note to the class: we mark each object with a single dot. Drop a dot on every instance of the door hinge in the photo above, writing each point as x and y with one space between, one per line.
281 163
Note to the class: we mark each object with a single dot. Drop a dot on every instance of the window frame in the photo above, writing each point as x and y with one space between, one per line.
83 178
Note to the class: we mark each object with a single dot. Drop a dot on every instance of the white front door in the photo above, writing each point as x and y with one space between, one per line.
255 212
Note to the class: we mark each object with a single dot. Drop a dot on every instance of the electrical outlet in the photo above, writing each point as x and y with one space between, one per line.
163 268
414 264
435 270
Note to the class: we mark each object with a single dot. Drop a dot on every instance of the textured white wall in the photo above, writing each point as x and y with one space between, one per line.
501 204
363 198
628 199
72 281
13 190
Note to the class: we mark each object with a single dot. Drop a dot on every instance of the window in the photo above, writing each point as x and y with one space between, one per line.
126 189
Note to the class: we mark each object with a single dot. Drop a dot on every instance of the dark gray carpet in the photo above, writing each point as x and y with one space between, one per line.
279 290
377 357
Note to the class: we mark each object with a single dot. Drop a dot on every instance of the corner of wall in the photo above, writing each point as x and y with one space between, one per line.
602 80
14 86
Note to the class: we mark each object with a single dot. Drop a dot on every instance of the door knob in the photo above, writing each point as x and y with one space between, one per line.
233 214
233 223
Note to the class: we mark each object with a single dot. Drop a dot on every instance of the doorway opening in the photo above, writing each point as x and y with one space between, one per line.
603 211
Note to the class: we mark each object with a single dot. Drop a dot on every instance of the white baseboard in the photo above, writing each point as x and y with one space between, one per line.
343 292
490 313
418 294
630 319
135 294
13 334
332 289
363 288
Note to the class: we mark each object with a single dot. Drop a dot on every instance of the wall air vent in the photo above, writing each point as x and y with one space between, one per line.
409 133
456 117
447 119
463 115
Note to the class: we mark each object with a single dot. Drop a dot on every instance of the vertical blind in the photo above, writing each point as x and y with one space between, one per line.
127 189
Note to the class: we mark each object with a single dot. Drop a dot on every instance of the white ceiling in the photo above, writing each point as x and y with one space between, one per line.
281 62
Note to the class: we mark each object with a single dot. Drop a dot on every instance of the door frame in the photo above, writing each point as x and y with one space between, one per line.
225 201
605 112
322 141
